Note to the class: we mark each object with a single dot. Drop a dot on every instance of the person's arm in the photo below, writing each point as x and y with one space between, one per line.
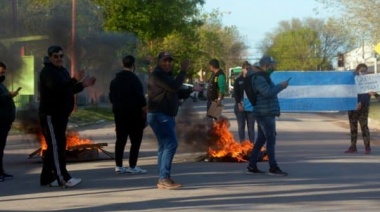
4 96
221 85
266 89
237 96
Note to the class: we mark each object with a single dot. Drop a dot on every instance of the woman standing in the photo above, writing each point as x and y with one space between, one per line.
361 115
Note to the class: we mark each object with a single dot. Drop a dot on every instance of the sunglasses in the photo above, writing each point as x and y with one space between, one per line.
56 56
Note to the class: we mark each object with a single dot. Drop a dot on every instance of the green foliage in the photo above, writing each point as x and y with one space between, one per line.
311 44
150 19
359 17
91 115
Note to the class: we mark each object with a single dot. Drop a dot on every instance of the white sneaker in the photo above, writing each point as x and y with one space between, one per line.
121 170
136 170
54 184
73 182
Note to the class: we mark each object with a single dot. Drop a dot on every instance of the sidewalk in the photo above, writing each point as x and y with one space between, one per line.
309 147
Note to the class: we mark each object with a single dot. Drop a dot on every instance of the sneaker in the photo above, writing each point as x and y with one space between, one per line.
367 150
73 182
136 170
351 149
120 170
277 172
167 183
53 184
255 170
7 176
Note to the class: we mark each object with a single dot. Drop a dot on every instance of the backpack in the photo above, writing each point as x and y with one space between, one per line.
249 91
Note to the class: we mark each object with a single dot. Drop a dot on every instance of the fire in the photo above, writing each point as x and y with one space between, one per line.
72 139
223 143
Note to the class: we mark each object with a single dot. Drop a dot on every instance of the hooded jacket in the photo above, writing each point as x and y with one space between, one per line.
126 93
267 103
57 90
7 106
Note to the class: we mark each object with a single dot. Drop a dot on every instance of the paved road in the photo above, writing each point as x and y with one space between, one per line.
310 148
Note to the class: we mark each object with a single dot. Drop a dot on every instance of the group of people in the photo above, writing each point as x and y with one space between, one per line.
132 112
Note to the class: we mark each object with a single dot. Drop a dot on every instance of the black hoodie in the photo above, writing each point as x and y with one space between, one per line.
57 90
126 93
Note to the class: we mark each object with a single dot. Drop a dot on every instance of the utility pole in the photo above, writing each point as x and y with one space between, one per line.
73 56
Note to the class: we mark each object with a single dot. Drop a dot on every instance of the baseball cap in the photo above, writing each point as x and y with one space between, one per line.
165 55
267 60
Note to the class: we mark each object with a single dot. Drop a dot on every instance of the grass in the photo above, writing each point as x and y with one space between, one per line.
91 115
374 111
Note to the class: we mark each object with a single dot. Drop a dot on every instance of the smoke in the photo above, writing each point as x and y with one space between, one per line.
29 122
98 52
192 129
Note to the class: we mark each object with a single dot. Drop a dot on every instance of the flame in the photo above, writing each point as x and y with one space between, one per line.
72 139
223 143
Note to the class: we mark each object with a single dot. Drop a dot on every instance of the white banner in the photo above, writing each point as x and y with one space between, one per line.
367 83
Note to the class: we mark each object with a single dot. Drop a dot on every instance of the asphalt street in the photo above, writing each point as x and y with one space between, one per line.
310 147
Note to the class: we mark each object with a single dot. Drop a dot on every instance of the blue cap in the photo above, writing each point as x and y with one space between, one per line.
267 60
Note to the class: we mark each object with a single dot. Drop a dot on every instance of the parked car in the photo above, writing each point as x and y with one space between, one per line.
197 95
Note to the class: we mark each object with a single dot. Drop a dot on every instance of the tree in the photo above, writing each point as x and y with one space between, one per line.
361 17
311 44
150 19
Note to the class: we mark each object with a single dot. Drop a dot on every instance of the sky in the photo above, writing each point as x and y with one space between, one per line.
255 18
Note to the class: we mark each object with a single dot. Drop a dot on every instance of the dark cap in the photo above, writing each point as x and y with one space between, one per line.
267 60
165 55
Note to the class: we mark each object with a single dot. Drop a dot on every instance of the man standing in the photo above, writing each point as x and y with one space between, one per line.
7 116
216 85
163 102
265 111
243 108
57 90
129 108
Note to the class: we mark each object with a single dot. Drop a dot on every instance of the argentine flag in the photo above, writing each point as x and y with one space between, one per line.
316 91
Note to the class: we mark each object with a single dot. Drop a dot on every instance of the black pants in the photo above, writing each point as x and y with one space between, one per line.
4 129
54 160
132 126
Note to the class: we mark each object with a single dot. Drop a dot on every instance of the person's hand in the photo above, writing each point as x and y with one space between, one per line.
372 93
197 88
240 107
219 102
359 106
185 65
78 75
284 84
88 81
13 93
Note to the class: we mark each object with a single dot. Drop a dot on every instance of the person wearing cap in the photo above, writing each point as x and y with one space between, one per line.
216 85
8 115
164 93
57 89
266 109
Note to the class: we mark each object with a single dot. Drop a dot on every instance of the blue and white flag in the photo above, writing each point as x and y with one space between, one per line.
314 91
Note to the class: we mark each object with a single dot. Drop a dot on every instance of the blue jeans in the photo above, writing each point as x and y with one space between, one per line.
266 133
164 128
242 118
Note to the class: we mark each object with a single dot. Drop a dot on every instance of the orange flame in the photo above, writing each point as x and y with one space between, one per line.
72 139
223 143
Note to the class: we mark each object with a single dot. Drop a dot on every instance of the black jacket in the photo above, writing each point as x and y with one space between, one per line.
57 90
163 91
7 106
239 89
127 93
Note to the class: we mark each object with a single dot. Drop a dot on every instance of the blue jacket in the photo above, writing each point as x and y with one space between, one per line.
267 102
